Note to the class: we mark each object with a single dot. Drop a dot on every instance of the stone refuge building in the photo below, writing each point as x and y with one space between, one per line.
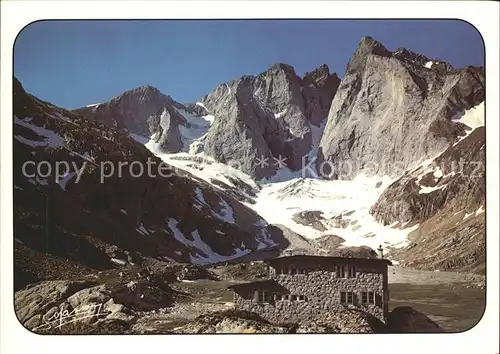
302 286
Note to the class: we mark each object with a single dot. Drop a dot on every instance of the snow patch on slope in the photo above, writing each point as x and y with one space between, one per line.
279 201
479 211
198 127
280 114
473 118
227 212
427 190
200 197
51 139
201 105
206 254
202 167
142 230
66 178
139 138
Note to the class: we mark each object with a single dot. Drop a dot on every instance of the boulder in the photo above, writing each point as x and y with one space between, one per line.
409 320
48 306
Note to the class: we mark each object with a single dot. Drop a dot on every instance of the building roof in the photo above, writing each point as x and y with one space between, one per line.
329 259
264 283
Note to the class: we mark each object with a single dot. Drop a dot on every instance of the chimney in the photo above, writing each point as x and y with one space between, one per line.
380 252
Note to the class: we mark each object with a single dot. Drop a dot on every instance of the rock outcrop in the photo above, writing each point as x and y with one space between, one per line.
231 321
144 111
311 218
446 198
268 116
455 181
62 306
316 220
329 243
235 321
394 110
447 242
347 321
319 87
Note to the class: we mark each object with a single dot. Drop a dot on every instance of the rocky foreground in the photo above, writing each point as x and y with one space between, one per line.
68 307
174 298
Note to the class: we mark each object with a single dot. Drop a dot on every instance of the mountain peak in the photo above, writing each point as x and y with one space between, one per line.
282 67
367 43
367 46
321 71
146 89
321 77
144 93
417 59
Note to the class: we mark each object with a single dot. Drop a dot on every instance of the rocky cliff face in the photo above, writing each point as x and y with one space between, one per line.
454 180
80 219
403 115
268 116
446 197
394 109
144 111
318 89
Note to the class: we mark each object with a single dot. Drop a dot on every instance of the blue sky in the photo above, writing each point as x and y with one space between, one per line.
76 63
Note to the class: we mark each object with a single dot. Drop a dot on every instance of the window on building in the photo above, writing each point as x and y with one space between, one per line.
301 271
345 271
368 297
340 271
290 297
347 297
263 296
293 271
